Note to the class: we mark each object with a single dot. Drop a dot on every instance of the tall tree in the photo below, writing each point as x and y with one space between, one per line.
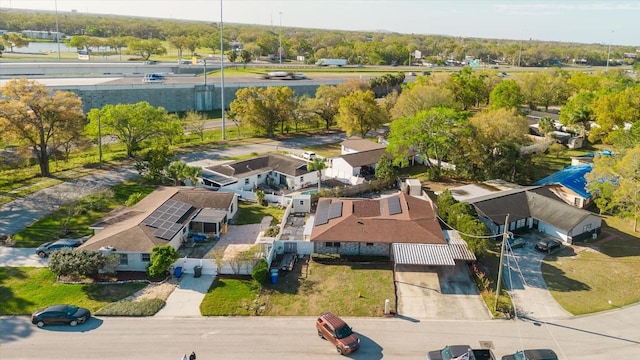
467 87
506 95
35 117
15 40
146 48
317 165
430 133
132 124
245 56
264 108
491 150
359 113
616 183
421 96
612 111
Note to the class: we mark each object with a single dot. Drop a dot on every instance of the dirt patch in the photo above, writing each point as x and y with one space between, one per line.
155 291
436 186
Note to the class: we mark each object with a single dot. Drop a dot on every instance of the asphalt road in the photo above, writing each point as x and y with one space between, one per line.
606 336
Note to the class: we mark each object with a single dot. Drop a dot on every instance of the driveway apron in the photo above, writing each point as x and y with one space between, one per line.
523 277
438 292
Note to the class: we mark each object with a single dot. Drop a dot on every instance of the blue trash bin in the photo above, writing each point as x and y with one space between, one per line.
178 271
274 276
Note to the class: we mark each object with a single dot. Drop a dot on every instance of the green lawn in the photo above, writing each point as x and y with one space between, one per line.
25 289
585 277
48 228
252 213
354 289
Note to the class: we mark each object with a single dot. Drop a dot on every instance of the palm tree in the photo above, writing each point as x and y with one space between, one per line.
175 171
317 164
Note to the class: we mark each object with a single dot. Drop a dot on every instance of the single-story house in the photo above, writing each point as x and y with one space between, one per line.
355 144
358 164
167 216
570 185
402 227
533 207
272 169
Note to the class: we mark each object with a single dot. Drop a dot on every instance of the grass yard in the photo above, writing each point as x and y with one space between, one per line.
25 289
584 278
354 289
325 150
48 228
252 213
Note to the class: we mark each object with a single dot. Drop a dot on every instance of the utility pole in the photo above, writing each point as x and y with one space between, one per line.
222 75
505 235
280 38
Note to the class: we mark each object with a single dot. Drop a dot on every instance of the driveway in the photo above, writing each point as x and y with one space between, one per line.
438 292
14 257
522 275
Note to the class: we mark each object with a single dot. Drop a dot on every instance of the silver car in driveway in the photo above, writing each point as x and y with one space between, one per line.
46 249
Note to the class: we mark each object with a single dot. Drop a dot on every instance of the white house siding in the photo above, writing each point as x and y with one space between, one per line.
354 248
134 262
586 227
342 169
552 231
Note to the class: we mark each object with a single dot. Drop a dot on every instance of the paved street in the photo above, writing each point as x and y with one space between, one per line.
605 336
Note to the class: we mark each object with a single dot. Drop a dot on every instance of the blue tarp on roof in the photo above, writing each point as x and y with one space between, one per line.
571 177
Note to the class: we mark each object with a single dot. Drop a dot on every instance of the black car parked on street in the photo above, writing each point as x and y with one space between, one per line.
60 314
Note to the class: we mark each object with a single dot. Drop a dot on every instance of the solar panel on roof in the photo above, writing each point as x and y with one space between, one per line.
394 205
322 212
335 210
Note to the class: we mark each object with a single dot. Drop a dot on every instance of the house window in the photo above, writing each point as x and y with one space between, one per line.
332 244
124 259
369 244
146 257
231 209
301 202
246 181
587 228
301 179
259 176
576 201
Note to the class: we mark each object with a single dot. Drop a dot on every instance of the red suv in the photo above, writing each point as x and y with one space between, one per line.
337 331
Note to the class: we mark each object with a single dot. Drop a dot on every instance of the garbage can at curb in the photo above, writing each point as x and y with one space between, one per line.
197 271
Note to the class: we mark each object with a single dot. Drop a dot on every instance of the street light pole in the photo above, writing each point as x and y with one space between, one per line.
57 30
280 38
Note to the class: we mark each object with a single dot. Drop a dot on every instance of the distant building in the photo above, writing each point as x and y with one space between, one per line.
44 35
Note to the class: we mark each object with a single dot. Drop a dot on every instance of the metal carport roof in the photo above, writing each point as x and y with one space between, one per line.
433 254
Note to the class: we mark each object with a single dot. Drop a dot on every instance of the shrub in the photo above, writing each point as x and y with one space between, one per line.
260 272
162 257
77 263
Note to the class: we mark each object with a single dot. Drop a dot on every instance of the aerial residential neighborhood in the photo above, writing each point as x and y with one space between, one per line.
167 188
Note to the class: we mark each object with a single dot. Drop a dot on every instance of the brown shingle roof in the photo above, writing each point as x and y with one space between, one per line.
368 220
359 144
365 157
129 234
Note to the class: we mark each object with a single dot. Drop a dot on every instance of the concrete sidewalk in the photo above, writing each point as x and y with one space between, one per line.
185 300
